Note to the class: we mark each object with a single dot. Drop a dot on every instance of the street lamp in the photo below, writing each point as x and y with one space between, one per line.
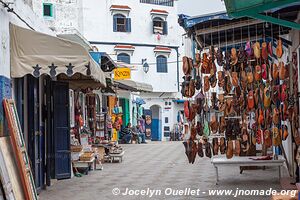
145 65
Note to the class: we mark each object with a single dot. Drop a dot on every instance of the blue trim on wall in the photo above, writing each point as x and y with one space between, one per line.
5 92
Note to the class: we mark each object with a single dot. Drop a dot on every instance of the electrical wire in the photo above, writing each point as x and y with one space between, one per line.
6 5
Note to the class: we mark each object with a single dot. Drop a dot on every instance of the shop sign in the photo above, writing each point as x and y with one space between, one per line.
122 73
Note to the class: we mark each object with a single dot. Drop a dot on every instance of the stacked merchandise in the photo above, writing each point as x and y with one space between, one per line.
244 99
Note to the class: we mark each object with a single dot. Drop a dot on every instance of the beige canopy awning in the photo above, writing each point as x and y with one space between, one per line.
37 53
136 86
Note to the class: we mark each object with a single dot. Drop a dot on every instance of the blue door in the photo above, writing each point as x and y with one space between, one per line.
61 130
34 132
155 130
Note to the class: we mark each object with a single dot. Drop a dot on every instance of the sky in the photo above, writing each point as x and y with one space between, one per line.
200 7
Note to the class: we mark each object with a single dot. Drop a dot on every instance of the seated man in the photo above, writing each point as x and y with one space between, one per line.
126 132
142 136
135 135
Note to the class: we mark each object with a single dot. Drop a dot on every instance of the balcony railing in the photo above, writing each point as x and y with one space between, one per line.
159 2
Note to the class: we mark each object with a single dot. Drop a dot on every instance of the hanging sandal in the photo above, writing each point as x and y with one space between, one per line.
208 149
256 49
259 133
267 97
264 73
220 60
215 144
206 84
248 49
234 58
200 150
222 145
264 51
270 49
205 64
275 118
227 61
276 137
222 125
257 74
279 50
237 150
267 138
282 71
229 150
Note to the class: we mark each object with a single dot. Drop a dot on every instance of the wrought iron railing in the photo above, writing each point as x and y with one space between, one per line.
159 2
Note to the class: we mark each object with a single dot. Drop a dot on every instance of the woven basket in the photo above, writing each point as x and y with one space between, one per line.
76 148
87 156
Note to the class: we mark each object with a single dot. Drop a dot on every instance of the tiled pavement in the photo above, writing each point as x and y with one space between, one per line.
159 166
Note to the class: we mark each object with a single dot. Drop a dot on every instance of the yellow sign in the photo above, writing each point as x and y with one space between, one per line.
122 73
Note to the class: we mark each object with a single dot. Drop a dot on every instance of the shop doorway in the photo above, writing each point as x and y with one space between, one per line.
156 123
34 132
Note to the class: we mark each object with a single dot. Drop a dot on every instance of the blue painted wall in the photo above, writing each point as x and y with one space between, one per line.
156 130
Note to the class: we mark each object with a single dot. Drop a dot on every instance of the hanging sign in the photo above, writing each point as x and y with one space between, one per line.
122 73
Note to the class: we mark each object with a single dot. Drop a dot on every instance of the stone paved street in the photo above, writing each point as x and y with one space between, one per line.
158 166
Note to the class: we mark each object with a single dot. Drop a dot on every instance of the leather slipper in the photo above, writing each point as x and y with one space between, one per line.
276 137
237 150
200 150
267 138
215 144
229 151
208 149
222 145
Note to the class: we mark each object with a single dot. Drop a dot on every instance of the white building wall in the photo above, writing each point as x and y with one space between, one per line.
98 27
94 20
24 10
67 14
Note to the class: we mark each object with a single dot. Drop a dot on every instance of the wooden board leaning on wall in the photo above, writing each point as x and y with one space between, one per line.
19 148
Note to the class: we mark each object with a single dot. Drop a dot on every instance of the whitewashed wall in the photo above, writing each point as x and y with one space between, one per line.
24 9
67 14
98 27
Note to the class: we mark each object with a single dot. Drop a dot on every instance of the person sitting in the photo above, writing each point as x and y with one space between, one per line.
142 136
126 133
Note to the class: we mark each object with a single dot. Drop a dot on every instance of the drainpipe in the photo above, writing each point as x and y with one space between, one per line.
177 51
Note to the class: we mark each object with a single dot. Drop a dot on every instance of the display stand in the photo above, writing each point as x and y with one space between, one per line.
245 161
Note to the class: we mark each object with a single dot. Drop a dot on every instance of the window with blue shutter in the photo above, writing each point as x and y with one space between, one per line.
165 28
161 64
128 25
121 23
160 26
123 57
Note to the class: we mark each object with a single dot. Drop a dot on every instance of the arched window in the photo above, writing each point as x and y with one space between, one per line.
161 64
123 57
121 23
160 26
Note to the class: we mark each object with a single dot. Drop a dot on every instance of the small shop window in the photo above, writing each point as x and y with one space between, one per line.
121 23
123 57
162 65
160 26
48 10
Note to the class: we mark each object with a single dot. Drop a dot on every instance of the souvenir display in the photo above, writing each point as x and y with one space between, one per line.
244 100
